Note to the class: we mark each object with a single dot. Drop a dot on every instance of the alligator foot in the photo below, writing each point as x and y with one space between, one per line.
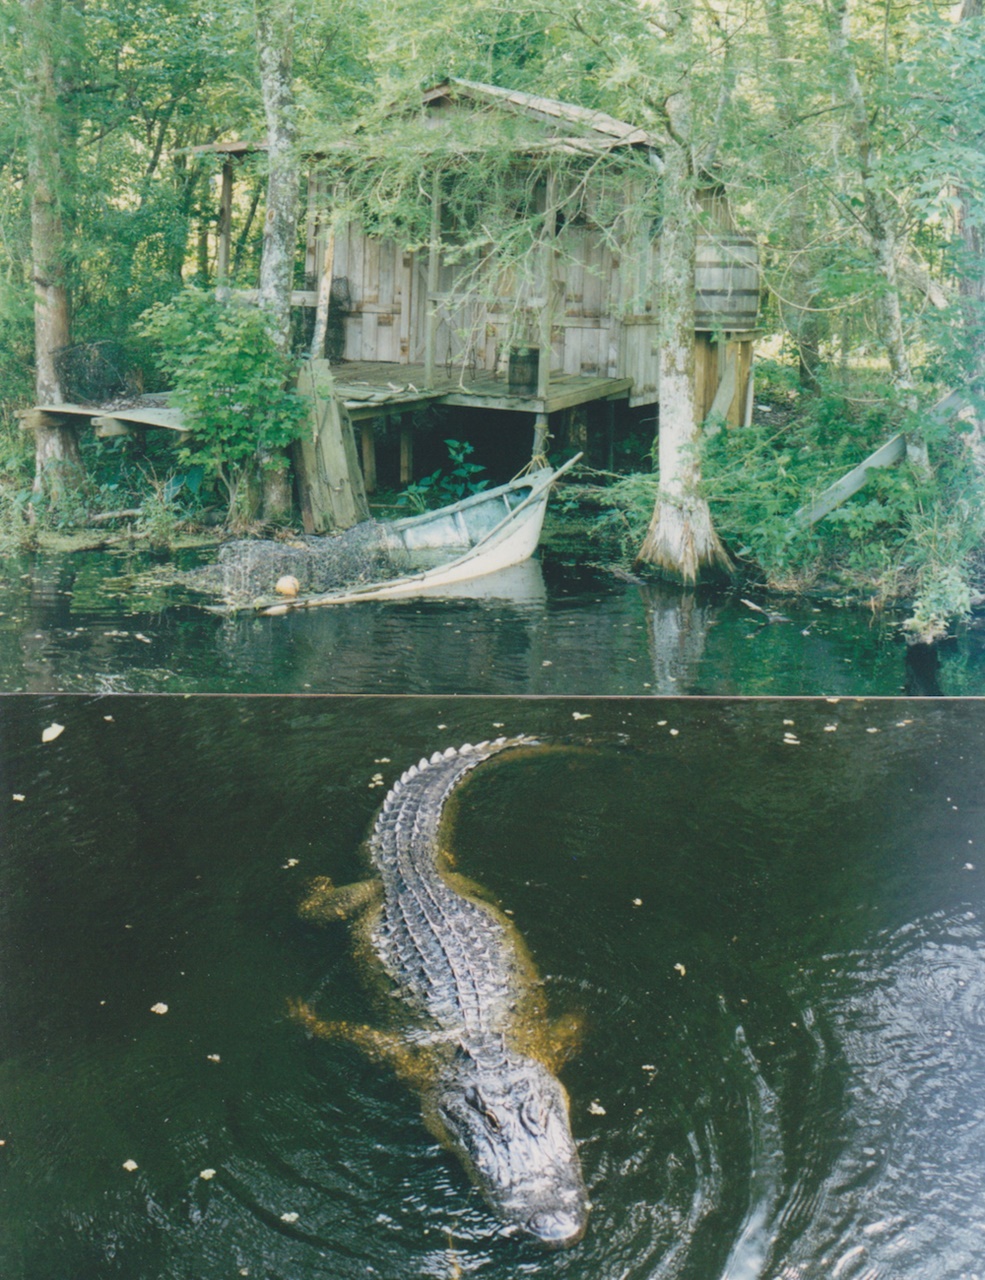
327 902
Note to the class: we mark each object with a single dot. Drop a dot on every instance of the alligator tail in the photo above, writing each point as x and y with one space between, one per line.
411 812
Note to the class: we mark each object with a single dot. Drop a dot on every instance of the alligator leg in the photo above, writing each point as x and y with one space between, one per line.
564 1038
380 1046
327 902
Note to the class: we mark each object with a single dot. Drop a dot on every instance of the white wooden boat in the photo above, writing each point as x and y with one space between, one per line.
479 535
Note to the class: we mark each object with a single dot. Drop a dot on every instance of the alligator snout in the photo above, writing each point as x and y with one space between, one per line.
557 1228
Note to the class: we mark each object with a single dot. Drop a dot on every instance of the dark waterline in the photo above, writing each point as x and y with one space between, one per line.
768 915
90 622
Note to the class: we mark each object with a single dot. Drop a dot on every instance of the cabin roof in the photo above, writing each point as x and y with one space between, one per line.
583 128
573 129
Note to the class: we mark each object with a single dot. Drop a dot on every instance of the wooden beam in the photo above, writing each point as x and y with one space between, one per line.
406 455
106 427
330 483
32 419
367 437
542 436
324 298
564 396
723 396
225 226
168 419
433 279
835 494
547 273
892 451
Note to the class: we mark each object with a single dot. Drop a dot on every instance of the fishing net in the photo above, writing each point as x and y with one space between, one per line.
248 570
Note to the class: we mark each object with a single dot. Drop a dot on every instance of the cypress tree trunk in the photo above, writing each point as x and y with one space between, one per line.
798 295
972 282
58 463
879 224
275 47
680 541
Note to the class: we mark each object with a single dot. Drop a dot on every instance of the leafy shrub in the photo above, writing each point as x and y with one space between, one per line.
441 488
229 380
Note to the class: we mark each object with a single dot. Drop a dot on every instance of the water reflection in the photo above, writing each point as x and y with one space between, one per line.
98 622
677 630
768 916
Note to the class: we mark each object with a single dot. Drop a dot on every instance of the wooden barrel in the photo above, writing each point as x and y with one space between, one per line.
726 282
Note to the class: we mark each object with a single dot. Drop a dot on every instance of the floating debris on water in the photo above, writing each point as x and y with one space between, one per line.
160 1007
52 732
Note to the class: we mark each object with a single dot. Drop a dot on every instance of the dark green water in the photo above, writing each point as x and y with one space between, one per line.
776 947
90 622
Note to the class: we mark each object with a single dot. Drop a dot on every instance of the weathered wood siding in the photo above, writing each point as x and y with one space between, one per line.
604 320
380 281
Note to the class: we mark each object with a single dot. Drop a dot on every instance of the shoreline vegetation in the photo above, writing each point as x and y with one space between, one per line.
173 189
910 543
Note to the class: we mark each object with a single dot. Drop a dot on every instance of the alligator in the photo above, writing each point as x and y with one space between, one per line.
472 1035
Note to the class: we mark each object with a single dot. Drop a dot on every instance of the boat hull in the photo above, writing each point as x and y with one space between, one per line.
491 531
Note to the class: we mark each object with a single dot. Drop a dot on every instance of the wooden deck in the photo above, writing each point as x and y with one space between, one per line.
369 390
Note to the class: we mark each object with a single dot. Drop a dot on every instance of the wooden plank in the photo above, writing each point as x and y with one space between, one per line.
107 428
564 396
548 253
225 224
835 494
330 482
721 405
367 437
892 451
324 298
404 297
32 419
433 278
167 419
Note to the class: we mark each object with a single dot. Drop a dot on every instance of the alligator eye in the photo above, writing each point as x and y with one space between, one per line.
493 1121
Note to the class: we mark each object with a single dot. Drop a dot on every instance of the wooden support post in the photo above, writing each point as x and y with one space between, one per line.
541 437
368 442
434 279
330 484
547 272
406 454
610 435
225 230
750 392
324 298
576 428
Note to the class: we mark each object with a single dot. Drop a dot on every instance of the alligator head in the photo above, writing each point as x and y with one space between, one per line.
506 1117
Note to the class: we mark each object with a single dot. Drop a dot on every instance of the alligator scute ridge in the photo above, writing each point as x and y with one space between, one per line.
481 1053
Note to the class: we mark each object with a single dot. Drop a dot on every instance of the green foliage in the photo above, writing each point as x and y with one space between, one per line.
907 534
229 381
628 508
441 488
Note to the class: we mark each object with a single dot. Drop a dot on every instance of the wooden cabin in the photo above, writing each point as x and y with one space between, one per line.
575 323
571 322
